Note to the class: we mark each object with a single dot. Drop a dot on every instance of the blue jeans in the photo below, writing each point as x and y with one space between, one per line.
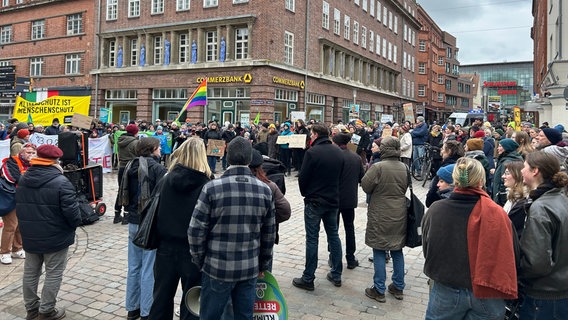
215 294
140 277
417 152
536 309
380 276
314 214
448 303
212 161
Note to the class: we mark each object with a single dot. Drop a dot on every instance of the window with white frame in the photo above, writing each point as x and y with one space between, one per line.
440 79
404 59
372 8
325 16
5 34
379 10
210 3
211 46
36 67
133 8
440 60
385 16
412 64
5 3
112 53
440 97
395 27
363 37
412 86
38 29
288 47
395 54
384 48
356 2
378 45
371 40
390 52
157 6
182 5
422 45
290 5
364 5
336 21
355 32
421 90
347 28
134 52
413 37
74 23
158 49
73 64
241 43
184 47
403 87
5 63
405 32
422 67
390 20
112 10
240 1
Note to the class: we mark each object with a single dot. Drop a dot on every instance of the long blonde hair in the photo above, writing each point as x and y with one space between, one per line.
523 139
191 154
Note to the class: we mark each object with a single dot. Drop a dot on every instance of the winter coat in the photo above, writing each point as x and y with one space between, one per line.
480 156
155 172
180 189
282 206
387 183
489 150
16 145
499 192
274 170
126 148
48 210
272 146
436 145
365 141
52 130
406 145
321 170
351 176
419 134
285 133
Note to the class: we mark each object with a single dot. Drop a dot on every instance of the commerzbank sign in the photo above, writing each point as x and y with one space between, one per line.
289 82
245 78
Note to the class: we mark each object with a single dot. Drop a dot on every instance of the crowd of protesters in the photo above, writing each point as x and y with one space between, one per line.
496 190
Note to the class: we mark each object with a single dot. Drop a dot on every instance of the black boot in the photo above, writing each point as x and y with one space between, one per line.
117 217
125 219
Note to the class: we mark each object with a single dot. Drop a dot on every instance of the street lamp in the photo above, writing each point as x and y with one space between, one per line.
484 100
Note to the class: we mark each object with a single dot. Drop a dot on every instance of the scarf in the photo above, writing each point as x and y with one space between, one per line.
46 162
490 249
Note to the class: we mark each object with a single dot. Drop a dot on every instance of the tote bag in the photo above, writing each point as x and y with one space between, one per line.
7 196
147 236
415 213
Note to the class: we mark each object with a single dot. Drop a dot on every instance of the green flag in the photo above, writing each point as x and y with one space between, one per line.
30 120
257 118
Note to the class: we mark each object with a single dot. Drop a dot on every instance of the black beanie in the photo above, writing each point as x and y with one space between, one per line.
239 151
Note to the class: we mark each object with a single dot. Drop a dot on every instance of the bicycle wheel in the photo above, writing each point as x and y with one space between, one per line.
426 174
416 165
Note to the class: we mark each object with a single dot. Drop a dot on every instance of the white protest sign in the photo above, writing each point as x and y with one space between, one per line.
100 152
4 149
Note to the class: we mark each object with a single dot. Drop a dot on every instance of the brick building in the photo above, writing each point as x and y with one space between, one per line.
273 58
51 42
441 90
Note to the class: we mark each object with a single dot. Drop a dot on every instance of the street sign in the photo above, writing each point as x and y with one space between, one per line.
7 86
22 88
7 69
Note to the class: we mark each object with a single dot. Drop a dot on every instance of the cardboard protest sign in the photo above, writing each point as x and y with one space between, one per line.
81 121
297 141
215 148
283 139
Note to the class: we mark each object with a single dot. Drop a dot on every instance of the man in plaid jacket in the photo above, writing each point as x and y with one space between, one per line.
231 235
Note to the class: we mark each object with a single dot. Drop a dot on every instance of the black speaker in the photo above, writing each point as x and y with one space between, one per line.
75 147
81 180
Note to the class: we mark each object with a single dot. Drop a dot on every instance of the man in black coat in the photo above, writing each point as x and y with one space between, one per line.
351 175
48 214
319 182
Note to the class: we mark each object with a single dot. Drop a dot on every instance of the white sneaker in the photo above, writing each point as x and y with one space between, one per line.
5 258
20 254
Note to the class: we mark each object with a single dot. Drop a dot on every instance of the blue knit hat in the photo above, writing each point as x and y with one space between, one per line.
509 144
445 173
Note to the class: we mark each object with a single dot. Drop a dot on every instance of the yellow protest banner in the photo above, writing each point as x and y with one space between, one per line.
517 117
43 112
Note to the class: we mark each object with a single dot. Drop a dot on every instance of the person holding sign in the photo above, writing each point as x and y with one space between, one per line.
212 133
285 152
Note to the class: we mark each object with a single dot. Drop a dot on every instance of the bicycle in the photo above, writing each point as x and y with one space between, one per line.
425 164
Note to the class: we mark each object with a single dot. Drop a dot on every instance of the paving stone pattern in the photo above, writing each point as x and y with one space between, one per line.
94 282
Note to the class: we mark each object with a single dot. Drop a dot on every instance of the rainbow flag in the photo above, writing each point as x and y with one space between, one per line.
198 98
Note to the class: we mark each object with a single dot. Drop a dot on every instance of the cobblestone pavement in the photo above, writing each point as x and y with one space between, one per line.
94 282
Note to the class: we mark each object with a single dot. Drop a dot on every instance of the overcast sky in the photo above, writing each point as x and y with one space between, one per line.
487 31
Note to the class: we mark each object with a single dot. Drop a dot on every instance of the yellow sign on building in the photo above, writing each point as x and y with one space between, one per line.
246 78
43 112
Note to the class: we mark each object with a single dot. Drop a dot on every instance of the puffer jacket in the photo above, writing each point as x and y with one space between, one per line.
126 148
544 243
387 182
48 210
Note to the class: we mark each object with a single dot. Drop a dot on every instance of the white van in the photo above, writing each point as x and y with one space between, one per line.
465 119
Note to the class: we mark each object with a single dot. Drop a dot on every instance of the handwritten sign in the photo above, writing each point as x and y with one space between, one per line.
81 121
283 139
215 148
408 112
298 141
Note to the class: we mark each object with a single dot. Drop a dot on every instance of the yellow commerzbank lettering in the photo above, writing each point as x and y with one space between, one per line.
222 79
288 82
